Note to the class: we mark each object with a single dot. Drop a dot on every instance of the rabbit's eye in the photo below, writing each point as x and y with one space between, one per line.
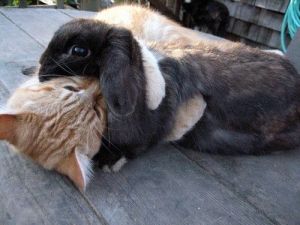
80 51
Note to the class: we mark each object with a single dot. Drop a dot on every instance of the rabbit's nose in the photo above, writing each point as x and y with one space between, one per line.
47 77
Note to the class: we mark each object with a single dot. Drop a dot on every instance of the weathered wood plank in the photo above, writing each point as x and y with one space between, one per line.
269 182
254 33
164 187
293 52
4 94
256 15
18 50
10 73
161 187
12 42
31 195
78 14
43 22
275 5
24 41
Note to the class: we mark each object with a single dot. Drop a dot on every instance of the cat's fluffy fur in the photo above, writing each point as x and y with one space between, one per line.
41 100
58 124
252 97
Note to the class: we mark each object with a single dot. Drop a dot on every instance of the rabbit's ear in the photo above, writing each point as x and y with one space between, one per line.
120 72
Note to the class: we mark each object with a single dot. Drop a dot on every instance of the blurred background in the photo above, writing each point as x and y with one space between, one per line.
256 23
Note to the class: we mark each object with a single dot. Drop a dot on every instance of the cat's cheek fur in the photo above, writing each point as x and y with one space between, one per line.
8 124
78 168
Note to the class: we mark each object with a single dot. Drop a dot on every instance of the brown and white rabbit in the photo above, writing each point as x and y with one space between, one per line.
252 97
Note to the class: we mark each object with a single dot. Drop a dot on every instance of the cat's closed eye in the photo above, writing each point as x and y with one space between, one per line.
71 88
80 51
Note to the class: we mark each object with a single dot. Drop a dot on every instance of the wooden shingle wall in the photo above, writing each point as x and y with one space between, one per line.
254 22
257 22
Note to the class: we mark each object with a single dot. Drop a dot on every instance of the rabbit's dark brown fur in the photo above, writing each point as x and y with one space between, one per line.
252 97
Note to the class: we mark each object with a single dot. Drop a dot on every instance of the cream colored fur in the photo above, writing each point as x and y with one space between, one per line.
148 26
57 128
188 114
155 82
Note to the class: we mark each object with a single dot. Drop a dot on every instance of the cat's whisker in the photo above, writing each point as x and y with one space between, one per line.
73 72
107 148
109 142
83 71
52 75
64 67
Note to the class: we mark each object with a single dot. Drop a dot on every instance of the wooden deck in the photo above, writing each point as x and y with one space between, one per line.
166 186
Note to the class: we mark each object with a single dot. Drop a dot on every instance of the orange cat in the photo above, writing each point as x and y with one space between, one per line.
57 124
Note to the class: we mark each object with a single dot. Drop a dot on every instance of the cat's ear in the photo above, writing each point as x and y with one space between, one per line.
8 125
119 68
78 168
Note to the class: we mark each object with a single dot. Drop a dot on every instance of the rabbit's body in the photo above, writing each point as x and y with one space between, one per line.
243 100
251 98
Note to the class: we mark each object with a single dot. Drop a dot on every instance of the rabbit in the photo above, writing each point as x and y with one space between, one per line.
247 101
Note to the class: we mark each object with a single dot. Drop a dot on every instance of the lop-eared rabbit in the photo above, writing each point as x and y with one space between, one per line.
220 98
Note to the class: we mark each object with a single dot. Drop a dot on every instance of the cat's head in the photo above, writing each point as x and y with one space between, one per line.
58 124
87 47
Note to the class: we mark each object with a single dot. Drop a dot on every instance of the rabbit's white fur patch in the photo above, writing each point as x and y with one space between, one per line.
188 114
155 82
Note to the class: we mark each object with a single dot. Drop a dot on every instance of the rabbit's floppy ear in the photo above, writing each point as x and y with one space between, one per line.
119 71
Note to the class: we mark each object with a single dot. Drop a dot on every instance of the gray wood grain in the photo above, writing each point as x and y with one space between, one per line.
259 16
78 14
28 193
43 22
18 50
271 182
293 52
163 187
32 195
12 42
4 94
255 33
275 5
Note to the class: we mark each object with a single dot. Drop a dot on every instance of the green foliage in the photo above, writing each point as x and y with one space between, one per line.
17 2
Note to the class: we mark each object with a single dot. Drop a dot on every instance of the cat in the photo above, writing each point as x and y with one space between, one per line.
58 124
32 91
250 99
212 15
